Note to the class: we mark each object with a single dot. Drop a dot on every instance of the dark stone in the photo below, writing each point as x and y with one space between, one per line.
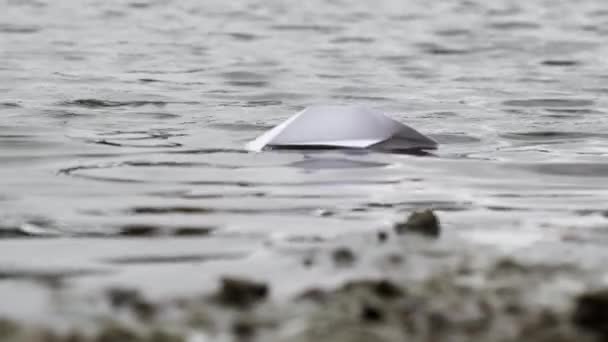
308 262
131 299
193 231
144 310
74 336
243 329
120 297
421 222
7 328
163 336
387 290
314 295
559 62
241 293
508 265
382 236
116 334
47 335
170 210
384 289
438 322
343 256
591 312
371 314
395 259
137 230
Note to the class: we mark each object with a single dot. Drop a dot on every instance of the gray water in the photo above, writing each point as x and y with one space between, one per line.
129 118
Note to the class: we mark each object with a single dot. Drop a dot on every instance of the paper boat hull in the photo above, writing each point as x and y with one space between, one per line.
341 127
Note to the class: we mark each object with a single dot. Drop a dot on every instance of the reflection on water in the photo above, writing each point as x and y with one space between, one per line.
126 121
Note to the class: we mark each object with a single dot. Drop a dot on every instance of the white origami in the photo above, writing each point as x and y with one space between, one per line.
342 127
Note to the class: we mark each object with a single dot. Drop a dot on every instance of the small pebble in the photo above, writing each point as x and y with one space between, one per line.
241 293
343 256
120 297
308 262
421 222
163 336
591 312
382 236
192 231
313 294
371 314
7 328
116 334
137 230
243 329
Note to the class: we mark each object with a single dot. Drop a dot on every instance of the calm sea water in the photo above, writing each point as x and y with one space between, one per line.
126 118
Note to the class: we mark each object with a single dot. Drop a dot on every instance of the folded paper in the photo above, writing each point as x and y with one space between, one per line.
321 127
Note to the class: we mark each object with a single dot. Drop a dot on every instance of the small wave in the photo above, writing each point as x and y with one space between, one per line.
140 5
9 105
579 111
349 40
245 78
166 72
170 210
413 205
550 103
551 135
72 169
146 230
18 29
48 276
453 32
572 169
559 62
22 232
514 25
436 49
455 138
326 29
195 210
173 259
121 144
334 163
209 151
244 36
98 103
240 127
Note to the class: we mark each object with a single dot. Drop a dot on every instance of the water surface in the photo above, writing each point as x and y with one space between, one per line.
122 126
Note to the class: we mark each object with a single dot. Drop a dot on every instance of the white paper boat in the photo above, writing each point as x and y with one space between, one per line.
342 127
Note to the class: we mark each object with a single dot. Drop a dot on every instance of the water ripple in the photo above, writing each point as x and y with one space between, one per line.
97 103
549 103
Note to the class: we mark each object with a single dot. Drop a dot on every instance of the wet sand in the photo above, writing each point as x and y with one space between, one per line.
407 282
